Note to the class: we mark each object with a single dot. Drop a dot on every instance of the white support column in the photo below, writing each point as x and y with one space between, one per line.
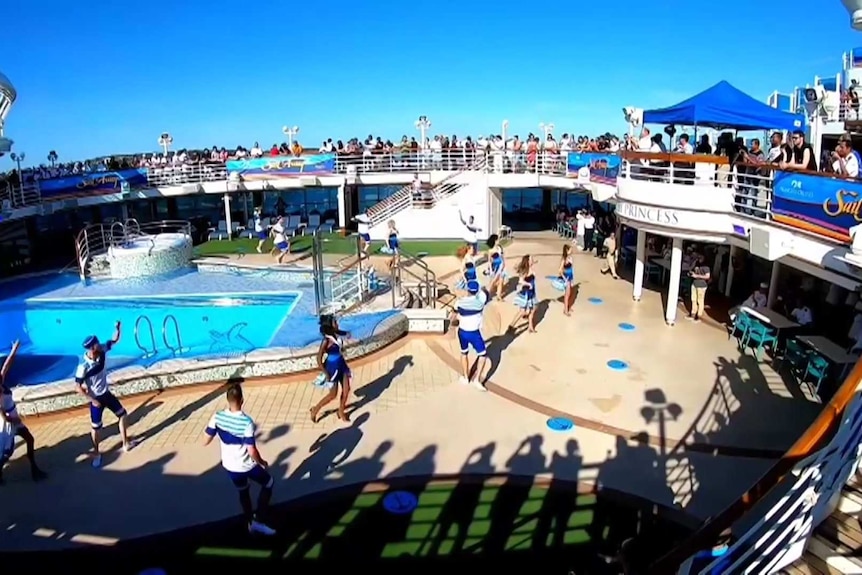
342 207
640 264
673 286
773 284
228 222
729 285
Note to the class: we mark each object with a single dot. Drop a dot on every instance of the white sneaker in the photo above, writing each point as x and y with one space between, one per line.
463 380
130 445
97 462
260 528
477 385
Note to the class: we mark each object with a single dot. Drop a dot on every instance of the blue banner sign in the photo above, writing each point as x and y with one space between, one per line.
282 167
92 184
599 168
819 204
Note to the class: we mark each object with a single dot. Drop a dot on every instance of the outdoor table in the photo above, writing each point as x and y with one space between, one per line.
774 320
831 351
664 264
771 317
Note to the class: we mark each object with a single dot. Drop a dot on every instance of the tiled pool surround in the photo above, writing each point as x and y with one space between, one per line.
173 373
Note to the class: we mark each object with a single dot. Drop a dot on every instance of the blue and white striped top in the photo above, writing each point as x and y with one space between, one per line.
235 431
470 310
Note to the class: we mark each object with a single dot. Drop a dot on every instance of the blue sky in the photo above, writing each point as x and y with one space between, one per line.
111 77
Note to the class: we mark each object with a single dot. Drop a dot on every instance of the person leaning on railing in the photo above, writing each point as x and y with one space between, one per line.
844 160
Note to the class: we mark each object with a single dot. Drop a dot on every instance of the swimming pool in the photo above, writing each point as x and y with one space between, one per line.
184 314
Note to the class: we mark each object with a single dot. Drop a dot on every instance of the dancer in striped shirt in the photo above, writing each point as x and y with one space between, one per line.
241 458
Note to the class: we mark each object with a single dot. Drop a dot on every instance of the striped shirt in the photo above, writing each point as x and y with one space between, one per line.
92 372
235 431
470 310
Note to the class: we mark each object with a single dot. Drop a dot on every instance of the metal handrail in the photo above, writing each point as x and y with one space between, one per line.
428 277
131 226
179 348
114 235
149 324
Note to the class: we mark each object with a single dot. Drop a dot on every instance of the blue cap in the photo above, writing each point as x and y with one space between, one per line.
90 341
473 286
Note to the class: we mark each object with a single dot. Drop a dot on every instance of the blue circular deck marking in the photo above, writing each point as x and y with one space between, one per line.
595 300
618 365
560 424
400 502
626 327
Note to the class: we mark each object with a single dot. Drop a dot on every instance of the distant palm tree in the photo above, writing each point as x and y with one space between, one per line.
52 157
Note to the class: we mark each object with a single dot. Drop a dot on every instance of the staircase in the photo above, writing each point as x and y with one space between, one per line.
401 200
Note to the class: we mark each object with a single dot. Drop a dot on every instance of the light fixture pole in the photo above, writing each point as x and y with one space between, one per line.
422 124
18 158
165 141
504 129
547 129
290 132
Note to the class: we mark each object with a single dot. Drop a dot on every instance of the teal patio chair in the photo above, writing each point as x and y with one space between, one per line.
796 355
741 324
654 272
818 369
759 336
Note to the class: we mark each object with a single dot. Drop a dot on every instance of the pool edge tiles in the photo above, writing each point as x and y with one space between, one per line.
176 373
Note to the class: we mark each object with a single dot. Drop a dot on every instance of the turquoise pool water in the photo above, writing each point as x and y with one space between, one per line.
186 314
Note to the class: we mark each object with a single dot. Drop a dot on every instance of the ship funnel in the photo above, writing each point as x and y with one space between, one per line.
7 98
854 8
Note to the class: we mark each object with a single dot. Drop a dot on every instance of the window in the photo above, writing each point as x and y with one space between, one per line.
370 195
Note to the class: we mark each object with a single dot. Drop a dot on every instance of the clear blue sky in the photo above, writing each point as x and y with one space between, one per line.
105 77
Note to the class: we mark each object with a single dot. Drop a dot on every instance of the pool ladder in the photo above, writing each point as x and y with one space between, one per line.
144 322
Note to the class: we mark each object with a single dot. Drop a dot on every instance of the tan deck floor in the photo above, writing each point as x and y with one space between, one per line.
668 428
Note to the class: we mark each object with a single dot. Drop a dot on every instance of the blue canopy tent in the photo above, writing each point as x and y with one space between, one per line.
724 106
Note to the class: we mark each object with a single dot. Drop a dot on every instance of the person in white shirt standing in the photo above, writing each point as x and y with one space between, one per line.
468 316
91 379
241 459
363 229
845 161
471 233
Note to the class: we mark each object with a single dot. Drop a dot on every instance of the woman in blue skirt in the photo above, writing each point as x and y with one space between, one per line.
392 244
526 298
497 268
468 268
566 280
333 365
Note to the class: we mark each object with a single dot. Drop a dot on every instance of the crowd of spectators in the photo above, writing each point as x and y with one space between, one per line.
447 151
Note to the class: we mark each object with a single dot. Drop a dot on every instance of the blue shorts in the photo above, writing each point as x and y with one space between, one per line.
365 237
473 339
262 235
106 401
242 479
283 246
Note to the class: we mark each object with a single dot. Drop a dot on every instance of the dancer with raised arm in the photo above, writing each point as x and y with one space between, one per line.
241 459
91 378
12 423
467 315
471 233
